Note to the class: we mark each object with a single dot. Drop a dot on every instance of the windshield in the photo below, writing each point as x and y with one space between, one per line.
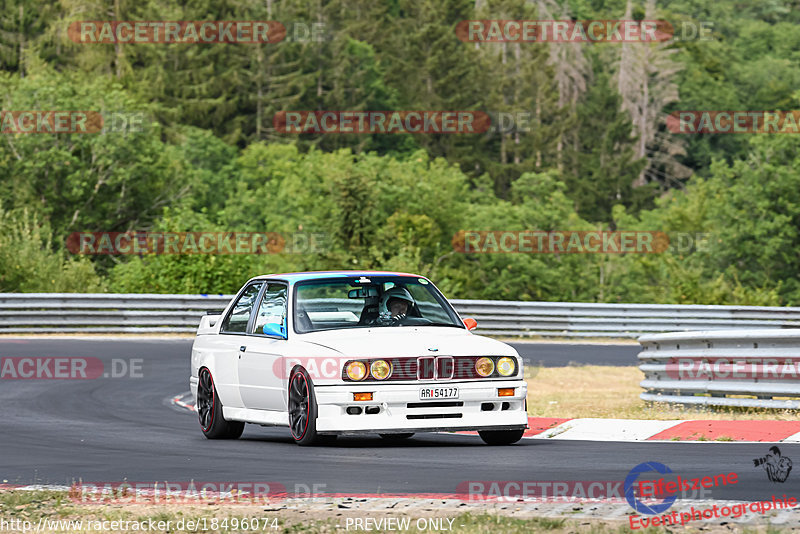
369 302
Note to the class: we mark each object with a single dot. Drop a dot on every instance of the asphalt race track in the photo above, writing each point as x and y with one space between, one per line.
122 429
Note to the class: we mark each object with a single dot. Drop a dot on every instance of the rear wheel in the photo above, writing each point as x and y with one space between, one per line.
501 437
209 411
302 409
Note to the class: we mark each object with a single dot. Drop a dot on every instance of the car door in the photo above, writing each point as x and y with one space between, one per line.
260 382
233 336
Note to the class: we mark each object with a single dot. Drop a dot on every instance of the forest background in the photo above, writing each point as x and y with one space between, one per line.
597 157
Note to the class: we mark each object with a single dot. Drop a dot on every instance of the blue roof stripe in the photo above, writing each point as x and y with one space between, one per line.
314 275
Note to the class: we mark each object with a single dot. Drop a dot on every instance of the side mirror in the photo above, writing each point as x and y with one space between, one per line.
275 329
470 323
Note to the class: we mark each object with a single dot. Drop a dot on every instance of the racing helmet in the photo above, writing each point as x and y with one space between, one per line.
395 293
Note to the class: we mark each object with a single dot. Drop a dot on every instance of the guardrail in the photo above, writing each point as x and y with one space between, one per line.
720 368
131 313
104 313
577 319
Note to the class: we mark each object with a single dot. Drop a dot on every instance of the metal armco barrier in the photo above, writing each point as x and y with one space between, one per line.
719 368
105 313
578 319
131 313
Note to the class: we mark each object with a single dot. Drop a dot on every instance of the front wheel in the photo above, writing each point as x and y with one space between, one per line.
501 437
302 409
209 411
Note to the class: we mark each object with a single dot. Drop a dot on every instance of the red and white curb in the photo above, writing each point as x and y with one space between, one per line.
675 430
591 429
184 401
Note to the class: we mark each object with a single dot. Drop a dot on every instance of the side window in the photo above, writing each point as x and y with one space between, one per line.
428 305
237 319
272 308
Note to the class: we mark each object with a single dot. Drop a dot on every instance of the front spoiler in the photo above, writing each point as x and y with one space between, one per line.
397 408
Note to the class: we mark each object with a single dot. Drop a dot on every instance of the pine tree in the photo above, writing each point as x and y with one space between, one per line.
605 161
571 71
520 82
21 23
646 81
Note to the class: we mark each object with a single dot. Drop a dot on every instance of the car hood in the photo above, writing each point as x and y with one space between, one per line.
389 342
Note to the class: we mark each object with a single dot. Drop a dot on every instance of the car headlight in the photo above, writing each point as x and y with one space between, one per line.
356 370
380 369
506 366
484 366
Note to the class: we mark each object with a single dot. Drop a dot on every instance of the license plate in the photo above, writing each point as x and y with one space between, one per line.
438 393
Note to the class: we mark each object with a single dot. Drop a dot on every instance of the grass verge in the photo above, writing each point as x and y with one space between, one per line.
613 392
327 518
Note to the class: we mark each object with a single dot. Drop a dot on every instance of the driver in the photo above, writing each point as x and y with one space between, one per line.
395 303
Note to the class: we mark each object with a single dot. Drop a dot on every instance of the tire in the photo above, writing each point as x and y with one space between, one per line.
209 411
396 437
501 437
302 407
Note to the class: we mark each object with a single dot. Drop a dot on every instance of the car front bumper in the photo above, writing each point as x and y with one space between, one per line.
398 408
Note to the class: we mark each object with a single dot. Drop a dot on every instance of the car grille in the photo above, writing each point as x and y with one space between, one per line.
434 416
436 405
443 404
427 368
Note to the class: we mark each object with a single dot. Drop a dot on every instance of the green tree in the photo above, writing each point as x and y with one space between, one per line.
30 262
604 162
110 181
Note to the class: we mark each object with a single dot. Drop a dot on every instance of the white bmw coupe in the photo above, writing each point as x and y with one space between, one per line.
352 352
